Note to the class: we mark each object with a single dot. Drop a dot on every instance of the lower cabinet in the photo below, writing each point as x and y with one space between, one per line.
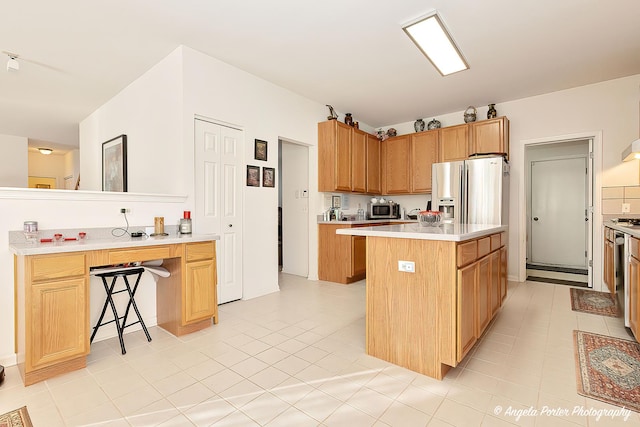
358 255
199 293
341 258
609 270
634 287
482 286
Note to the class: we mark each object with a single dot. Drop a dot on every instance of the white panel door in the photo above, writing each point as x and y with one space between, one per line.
218 179
558 212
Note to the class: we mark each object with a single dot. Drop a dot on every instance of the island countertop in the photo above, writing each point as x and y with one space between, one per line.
445 232
97 243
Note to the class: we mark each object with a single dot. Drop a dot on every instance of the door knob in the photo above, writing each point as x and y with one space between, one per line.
230 225
535 218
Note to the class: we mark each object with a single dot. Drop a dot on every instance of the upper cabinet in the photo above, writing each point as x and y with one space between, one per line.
483 137
334 156
358 161
374 184
396 173
424 153
490 137
454 143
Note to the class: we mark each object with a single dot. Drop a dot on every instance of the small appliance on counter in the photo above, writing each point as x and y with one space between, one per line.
383 209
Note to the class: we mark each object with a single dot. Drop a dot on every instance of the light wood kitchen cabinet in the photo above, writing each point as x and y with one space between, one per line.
466 309
199 298
490 137
479 303
396 172
609 270
454 143
340 257
424 153
358 256
374 184
358 161
334 156
634 286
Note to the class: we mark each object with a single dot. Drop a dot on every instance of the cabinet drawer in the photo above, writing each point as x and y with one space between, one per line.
467 252
503 239
58 266
135 255
635 251
198 251
484 246
495 242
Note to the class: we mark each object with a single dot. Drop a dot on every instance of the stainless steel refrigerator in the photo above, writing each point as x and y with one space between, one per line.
472 191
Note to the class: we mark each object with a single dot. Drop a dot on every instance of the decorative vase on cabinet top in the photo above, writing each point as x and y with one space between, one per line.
348 119
492 113
470 114
419 125
434 124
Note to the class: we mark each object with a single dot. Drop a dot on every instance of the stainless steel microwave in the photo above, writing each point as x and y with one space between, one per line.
386 210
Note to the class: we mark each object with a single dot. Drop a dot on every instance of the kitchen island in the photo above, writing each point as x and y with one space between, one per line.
52 292
431 291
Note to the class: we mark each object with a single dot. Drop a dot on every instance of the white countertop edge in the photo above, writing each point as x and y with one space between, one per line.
369 221
635 232
98 244
444 232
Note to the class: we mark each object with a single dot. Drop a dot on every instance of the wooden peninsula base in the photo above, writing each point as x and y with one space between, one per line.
428 320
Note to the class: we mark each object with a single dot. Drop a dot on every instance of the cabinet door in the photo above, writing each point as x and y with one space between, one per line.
396 174
483 292
59 322
634 295
343 158
503 273
199 297
373 165
334 156
609 272
454 143
358 161
490 136
496 296
358 255
466 309
424 153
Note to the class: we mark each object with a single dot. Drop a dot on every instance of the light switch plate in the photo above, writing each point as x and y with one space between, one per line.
626 207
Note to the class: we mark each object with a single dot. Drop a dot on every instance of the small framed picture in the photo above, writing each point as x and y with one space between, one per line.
253 176
114 164
335 201
268 177
260 150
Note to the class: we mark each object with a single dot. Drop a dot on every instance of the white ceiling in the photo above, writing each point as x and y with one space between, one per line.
77 54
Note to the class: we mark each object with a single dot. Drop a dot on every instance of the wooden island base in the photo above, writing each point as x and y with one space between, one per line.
428 320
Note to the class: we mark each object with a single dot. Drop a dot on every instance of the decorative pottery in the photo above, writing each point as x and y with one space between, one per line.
348 119
492 113
470 114
333 115
392 132
434 124
419 125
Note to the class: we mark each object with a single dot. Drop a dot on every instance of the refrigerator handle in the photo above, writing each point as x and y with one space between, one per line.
462 205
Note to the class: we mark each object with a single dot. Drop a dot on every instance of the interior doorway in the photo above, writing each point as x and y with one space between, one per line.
559 212
293 208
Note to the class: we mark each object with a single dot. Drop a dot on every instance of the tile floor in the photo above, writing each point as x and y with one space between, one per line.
296 358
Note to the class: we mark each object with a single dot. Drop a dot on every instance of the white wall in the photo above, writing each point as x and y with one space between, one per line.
609 107
264 111
14 161
148 111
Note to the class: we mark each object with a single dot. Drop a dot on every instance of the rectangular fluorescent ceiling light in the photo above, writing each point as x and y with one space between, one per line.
434 41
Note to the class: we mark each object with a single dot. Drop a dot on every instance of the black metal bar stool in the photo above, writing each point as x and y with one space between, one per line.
114 274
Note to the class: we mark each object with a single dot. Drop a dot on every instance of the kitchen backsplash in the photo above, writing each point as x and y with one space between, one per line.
621 201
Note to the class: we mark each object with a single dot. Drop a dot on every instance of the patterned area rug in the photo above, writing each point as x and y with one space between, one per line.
608 369
593 302
17 418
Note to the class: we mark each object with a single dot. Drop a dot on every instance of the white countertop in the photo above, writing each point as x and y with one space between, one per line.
368 221
449 232
625 228
92 244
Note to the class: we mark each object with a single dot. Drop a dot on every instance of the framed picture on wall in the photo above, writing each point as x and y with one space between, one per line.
260 150
268 177
114 164
253 176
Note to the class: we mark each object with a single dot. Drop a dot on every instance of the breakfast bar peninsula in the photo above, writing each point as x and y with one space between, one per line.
431 291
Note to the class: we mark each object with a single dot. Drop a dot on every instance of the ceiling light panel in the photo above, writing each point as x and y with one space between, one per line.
431 37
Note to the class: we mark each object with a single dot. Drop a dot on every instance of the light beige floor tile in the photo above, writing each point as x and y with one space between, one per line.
236 419
420 399
265 408
105 414
347 415
190 396
209 411
387 385
399 414
339 387
204 369
241 393
311 354
470 397
318 405
291 365
292 390
129 403
154 414
249 367
293 417
177 421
